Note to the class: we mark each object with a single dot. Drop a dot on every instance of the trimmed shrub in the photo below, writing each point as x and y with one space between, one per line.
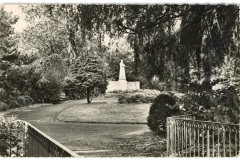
162 107
137 96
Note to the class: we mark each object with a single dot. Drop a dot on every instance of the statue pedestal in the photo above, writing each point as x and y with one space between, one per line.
123 85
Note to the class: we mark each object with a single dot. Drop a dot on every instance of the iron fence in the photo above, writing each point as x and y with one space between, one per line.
187 137
22 139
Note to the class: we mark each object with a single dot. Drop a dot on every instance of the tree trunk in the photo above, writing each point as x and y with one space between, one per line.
207 72
136 58
198 53
89 94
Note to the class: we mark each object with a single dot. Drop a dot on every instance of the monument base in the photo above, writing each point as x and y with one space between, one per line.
122 85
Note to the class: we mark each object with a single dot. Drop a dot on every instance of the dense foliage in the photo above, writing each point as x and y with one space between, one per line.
87 75
53 71
10 137
138 96
163 106
8 43
159 35
222 104
8 59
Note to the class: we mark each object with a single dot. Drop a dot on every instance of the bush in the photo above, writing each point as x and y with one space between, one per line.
12 99
120 93
49 95
220 104
228 100
144 83
49 88
10 139
162 107
16 102
130 99
137 96
156 84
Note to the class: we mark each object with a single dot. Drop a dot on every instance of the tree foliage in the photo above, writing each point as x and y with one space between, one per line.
43 38
7 40
8 53
8 56
52 71
160 35
179 45
87 74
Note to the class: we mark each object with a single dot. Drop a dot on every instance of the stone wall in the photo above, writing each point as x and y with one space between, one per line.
112 85
122 85
133 85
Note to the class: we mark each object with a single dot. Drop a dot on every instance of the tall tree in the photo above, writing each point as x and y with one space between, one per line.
205 36
87 74
43 38
8 52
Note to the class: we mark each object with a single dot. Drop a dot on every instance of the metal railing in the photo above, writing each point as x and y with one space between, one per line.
25 140
187 137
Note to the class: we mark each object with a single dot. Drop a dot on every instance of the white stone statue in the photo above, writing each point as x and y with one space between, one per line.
122 74
122 84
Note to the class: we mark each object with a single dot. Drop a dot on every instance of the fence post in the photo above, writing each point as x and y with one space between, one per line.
171 137
168 136
208 142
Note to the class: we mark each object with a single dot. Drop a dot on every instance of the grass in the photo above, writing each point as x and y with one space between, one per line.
98 140
101 111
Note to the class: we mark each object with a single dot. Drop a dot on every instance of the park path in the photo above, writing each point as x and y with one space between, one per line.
91 139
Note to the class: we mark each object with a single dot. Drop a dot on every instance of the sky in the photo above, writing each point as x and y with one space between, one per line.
21 23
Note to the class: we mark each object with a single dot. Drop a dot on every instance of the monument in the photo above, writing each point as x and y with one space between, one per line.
122 83
122 74
122 77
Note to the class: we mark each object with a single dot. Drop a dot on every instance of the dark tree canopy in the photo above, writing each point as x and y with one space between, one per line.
161 35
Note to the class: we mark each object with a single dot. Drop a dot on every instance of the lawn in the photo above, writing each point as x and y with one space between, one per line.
105 111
